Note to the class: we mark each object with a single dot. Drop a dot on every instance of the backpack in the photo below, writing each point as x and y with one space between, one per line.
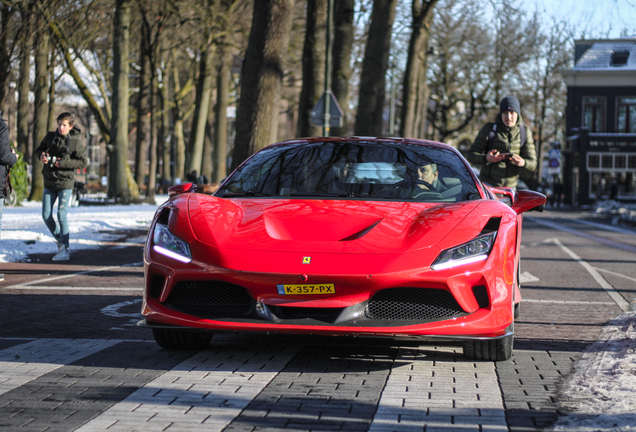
522 135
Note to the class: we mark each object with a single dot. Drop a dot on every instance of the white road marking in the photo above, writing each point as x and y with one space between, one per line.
113 311
65 288
23 363
526 277
28 285
525 300
557 226
609 289
616 274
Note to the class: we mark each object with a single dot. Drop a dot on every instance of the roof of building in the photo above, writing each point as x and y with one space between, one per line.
615 54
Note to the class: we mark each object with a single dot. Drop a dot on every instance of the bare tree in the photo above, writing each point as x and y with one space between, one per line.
341 55
40 104
8 26
546 88
459 80
369 119
219 168
415 75
24 85
515 39
263 69
118 168
313 66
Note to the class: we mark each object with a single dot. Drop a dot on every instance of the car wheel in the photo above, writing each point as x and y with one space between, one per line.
181 339
489 350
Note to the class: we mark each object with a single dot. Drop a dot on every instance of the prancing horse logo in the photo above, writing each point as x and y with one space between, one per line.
306 260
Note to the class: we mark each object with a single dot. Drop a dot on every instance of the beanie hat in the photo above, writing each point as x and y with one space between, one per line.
510 103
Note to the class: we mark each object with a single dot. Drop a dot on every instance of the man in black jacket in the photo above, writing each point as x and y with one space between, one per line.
62 152
8 158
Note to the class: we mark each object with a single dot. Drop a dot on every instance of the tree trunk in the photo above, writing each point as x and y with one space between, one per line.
219 162
24 85
369 120
118 164
208 141
153 156
261 78
6 15
50 121
181 146
422 11
313 66
141 143
40 106
204 92
341 69
164 136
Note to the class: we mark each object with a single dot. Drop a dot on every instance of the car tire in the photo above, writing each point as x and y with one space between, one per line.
181 339
489 349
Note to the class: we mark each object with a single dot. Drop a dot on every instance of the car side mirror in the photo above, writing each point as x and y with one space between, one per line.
181 188
528 200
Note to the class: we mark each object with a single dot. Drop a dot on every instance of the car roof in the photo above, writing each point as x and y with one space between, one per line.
368 139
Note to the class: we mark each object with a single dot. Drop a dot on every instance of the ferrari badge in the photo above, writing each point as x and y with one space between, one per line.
306 260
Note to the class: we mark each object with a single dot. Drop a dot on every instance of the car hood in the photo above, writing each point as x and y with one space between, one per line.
322 226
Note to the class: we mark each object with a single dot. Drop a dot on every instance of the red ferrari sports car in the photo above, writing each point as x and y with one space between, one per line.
340 236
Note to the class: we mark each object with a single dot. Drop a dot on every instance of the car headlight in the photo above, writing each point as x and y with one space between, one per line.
170 245
475 250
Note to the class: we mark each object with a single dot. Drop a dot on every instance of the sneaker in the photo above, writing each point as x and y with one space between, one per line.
62 255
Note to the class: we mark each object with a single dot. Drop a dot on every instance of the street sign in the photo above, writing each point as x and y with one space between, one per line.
335 112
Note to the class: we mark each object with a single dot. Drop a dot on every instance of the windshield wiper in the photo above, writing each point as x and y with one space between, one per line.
322 194
246 193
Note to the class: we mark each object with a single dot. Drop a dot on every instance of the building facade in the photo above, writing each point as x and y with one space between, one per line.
600 153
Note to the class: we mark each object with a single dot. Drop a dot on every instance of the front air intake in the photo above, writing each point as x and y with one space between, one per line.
413 304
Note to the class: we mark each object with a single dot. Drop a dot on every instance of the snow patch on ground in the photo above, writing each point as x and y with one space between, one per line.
24 232
601 394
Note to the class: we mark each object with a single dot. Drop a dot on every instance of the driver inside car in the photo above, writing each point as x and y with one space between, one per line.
427 177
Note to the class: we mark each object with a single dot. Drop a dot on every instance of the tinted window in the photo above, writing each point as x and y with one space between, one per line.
360 170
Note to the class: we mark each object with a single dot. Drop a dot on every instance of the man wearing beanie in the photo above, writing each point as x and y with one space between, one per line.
498 147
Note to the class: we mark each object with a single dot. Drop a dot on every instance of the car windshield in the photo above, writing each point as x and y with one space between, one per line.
356 169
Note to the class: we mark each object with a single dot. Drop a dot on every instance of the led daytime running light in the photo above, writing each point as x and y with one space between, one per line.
170 245
474 251
169 253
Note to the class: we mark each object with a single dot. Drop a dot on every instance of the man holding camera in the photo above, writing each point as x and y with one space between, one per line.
504 146
61 152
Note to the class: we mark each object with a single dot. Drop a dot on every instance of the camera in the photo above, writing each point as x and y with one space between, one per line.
52 161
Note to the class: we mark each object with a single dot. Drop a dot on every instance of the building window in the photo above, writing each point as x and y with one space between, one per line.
594 113
626 115
619 58
611 162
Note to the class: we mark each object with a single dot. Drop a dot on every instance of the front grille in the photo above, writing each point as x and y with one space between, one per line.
413 304
210 299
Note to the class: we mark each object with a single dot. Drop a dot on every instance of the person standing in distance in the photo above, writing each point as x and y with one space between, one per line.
8 158
502 149
61 152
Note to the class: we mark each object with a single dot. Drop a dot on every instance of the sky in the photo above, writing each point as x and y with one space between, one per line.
603 380
592 18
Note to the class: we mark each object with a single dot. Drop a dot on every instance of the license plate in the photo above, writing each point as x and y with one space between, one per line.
307 289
